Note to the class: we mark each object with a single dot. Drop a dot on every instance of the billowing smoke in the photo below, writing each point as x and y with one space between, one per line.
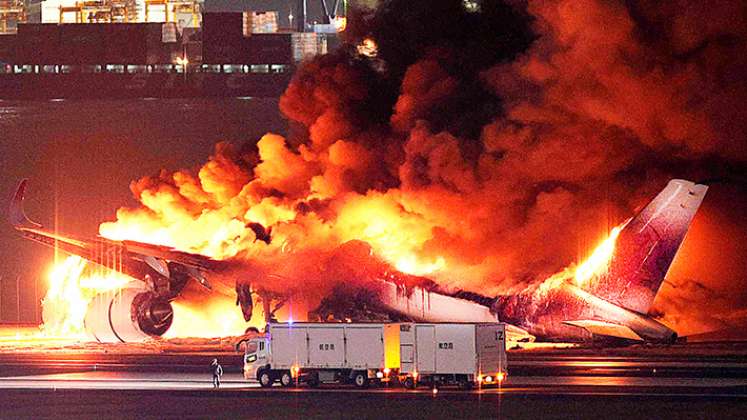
698 308
484 144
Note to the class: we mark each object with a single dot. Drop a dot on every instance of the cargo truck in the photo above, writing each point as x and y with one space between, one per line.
433 354
315 353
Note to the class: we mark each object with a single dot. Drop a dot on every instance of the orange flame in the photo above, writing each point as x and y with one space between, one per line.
598 261
71 288
217 318
368 48
595 265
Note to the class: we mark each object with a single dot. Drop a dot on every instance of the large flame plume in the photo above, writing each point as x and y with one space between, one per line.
598 261
72 285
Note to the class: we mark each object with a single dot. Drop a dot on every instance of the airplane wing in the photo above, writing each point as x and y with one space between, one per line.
604 328
130 257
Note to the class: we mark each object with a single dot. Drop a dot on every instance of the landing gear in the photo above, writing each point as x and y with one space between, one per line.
313 380
466 385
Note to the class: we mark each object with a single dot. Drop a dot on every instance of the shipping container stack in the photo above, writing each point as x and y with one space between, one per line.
12 12
89 44
110 37
260 22
307 45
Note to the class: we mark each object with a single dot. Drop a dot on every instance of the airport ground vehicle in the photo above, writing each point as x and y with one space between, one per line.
463 354
314 353
362 354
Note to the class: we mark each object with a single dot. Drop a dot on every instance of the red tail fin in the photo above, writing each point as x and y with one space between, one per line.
647 245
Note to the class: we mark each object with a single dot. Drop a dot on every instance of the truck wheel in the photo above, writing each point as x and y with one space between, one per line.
361 380
265 379
409 383
466 385
286 380
313 380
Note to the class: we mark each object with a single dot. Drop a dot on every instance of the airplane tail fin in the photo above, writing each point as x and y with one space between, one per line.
647 245
16 214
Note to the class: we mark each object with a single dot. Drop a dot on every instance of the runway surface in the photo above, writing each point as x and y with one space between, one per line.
721 387
350 403
545 385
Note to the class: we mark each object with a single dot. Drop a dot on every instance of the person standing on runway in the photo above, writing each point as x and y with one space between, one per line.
217 373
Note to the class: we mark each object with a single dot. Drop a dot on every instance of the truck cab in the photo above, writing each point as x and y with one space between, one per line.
256 356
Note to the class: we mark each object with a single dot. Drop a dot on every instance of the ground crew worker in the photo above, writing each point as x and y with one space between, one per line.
217 373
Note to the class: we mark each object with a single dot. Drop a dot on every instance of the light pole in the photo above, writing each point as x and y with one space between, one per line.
18 299
36 301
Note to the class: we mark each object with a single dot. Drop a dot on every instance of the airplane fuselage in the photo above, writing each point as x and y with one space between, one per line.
551 315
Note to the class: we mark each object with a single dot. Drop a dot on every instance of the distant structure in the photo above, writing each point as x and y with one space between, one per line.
324 16
186 13
144 48
12 12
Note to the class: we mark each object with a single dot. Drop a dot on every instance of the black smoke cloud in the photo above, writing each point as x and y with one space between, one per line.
532 126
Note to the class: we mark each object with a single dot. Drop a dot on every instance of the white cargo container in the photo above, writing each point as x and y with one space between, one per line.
317 352
464 354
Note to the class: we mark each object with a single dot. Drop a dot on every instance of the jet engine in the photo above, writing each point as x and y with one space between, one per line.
130 314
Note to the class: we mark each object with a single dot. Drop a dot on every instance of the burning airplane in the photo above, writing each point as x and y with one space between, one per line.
609 295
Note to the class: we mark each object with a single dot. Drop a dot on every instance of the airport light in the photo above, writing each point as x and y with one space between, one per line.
183 62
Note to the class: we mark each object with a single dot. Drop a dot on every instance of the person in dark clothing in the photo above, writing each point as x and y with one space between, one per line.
217 373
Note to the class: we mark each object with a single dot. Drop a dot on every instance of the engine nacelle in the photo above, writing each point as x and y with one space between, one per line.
128 315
